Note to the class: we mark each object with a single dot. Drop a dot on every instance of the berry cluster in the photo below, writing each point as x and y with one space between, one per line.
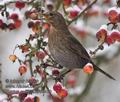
60 90
15 22
109 37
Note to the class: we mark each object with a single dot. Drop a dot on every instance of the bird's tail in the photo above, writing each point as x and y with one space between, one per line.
105 73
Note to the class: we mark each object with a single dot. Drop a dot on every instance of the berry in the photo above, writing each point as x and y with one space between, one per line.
63 93
40 55
101 34
32 81
18 23
4 26
71 80
36 28
115 35
11 26
1 23
28 99
30 24
57 87
33 16
13 16
22 95
22 69
20 4
46 26
73 14
24 48
88 68
55 72
113 16
13 58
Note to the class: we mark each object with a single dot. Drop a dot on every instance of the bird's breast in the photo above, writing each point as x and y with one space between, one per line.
58 47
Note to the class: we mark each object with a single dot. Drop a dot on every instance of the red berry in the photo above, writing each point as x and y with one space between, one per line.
88 68
55 72
101 34
57 87
33 16
32 81
1 23
40 55
22 95
107 1
113 16
71 80
115 35
30 24
119 17
73 14
11 26
22 69
109 40
46 26
20 4
18 23
13 16
29 99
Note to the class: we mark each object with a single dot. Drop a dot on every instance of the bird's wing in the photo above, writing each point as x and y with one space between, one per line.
76 47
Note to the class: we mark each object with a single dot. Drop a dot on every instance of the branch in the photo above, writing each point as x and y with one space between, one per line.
88 7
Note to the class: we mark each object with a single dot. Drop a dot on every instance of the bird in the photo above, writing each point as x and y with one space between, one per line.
64 47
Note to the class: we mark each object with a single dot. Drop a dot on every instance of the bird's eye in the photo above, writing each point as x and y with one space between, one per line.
51 14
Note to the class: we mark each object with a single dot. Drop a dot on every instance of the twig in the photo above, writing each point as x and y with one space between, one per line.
88 7
30 65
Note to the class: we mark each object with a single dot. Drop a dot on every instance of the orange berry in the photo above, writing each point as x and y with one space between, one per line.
88 68
115 35
109 40
36 28
63 93
24 48
13 58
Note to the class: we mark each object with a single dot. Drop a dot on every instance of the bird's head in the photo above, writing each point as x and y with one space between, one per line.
55 19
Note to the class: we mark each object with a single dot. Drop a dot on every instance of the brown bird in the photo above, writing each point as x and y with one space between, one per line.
64 48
